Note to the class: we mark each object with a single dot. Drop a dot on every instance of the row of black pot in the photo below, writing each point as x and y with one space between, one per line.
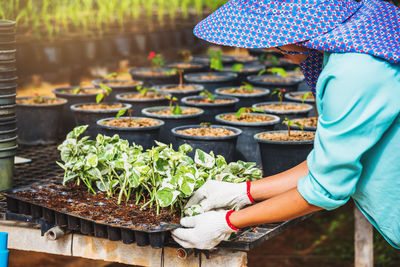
8 85
245 144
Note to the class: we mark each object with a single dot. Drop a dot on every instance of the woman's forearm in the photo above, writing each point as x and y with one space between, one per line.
286 206
279 183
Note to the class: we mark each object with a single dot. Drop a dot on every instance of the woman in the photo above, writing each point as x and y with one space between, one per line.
349 53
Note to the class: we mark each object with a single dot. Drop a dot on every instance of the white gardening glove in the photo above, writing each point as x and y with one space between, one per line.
203 231
216 194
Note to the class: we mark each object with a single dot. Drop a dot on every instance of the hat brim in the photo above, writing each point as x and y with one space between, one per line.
238 26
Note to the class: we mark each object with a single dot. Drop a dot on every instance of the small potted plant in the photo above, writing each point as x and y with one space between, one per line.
272 61
90 113
117 85
212 80
211 104
307 124
206 59
74 95
282 150
250 121
186 64
219 139
303 97
39 119
246 93
180 90
277 77
137 130
244 70
173 116
245 59
156 74
144 97
284 109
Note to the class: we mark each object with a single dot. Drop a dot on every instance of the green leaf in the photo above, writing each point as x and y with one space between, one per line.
101 186
240 112
261 72
166 196
99 98
92 160
279 71
120 113
203 159
185 148
216 64
237 67
177 110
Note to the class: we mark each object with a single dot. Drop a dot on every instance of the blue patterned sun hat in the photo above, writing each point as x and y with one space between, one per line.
369 26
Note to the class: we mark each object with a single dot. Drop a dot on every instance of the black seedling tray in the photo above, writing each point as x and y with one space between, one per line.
43 171
142 234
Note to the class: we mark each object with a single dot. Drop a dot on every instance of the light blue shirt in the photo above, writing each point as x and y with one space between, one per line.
357 144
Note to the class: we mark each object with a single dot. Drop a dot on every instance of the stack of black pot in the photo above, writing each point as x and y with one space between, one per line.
8 85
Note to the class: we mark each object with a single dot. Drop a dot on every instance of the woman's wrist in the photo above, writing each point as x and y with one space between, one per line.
234 219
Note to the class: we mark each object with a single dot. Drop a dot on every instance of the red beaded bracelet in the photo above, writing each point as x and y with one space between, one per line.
248 192
228 214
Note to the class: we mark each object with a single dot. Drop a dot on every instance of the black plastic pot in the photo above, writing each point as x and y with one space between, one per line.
220 145
10 45
191 67
68 120
6 55
224 79
90 117
247 148
205 59
7 134
39 124
245 100
8 65
7 99
261 51
143 136
116 89
7 111
8 90
291 97
7 36
7 167
9 142
8 82
180 93
282 63
7 74
211 109
289 83
139 104
246 59
171 121
148 80
7 25
8 125
279 156
282 114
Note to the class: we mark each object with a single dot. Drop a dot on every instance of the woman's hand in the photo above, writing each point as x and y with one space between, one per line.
217 195
203 231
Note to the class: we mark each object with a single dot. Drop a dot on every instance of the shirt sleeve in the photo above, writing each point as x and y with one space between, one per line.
358 104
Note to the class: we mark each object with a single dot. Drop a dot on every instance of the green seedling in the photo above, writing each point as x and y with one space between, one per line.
276 71
215 59
208 94
205 125
279 92
111 75
305 96
122 112
290 123
37 98
246 111
173 106
273 59
237 67
78 90
157 60
248 87
186 55
102 95
144 90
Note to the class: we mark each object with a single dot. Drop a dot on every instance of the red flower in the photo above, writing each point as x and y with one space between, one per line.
151 55
283 90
